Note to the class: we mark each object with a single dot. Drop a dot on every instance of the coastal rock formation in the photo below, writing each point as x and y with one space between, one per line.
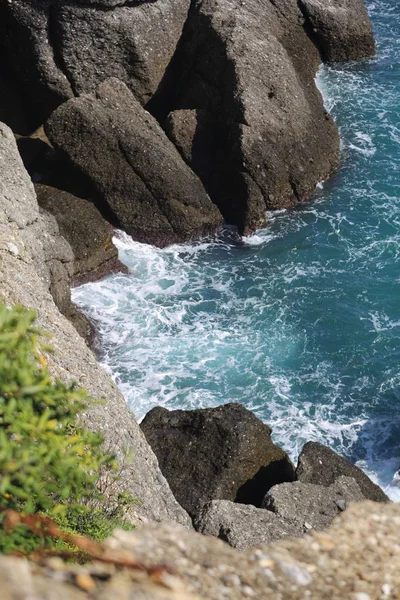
90 237
68 48
133 166
244 526
320 465
250 66
310 506
24 280
216 453
341 28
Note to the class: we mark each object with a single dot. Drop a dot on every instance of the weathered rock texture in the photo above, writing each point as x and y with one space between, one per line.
341 28
216 453
36 233
356 559
310 506
90 237
320 465
25 280
68 48
244 526
133 166
246 72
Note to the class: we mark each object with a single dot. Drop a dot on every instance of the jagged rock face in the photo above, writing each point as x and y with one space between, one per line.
341 28
310 506
320 465
89 235
244 526
22 282
215 453
133 166
68 48
251 66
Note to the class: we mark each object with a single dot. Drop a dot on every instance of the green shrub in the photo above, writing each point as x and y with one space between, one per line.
49 464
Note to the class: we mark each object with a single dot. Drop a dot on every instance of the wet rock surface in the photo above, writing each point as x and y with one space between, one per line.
89 235
320 465
216 453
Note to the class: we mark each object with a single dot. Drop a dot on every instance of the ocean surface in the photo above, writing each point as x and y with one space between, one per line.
299 322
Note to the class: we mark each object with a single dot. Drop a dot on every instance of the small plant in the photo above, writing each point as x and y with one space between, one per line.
49 464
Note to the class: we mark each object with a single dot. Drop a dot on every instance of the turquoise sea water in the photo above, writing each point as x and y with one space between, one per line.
300 322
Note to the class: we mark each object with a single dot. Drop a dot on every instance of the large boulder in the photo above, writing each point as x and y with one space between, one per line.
320 465
309 506
133 166
24 282
216 453
244 526
341 28
89 235
246 72
68 48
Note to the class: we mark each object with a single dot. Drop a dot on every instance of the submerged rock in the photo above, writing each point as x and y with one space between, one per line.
133 166
320 465
216 453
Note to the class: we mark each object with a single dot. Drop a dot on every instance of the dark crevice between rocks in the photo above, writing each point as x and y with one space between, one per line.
202 77
254 490
309 29
53 37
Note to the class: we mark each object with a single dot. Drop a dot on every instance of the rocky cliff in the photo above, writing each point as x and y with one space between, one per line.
241 125
32 256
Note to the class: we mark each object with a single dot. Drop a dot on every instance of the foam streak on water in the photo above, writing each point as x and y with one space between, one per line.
300 322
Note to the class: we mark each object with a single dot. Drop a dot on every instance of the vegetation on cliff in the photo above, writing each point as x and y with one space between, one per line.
49 464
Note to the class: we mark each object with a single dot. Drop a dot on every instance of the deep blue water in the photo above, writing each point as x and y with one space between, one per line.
300 322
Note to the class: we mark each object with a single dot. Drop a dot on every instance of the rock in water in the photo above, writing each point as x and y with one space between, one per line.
82 225
320 465
244 526
133 166
215 453
341 28
309 506
246 71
